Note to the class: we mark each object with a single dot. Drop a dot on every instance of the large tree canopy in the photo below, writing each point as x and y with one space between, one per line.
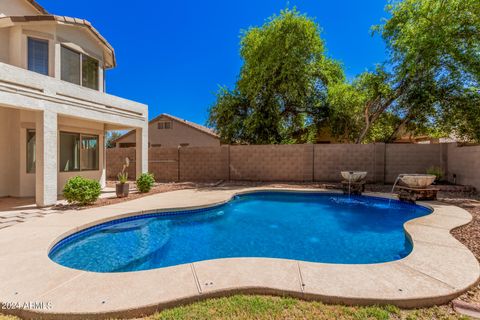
434 48
288 89
282 88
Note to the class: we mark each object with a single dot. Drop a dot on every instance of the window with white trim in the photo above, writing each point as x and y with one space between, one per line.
79 68
78 152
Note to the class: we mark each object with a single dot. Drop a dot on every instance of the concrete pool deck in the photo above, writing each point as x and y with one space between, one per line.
32 286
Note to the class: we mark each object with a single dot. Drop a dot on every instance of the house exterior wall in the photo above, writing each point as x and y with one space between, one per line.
15 52
30 100
17 8
14 123
179 134
4 48
7 167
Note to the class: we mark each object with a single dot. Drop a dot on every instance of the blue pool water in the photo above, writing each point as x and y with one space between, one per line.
319 227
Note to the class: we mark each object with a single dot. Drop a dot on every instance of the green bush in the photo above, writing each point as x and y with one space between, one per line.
81 191
145 182
437 172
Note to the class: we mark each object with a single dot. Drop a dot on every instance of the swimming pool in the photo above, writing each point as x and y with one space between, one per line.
316 227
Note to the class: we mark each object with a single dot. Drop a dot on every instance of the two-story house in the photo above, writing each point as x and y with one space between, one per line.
54 111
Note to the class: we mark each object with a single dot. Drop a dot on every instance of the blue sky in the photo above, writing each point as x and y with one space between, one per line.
173 55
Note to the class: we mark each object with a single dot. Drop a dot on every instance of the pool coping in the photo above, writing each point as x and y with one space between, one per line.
438 269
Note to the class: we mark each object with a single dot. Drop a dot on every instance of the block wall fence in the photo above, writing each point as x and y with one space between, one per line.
305 162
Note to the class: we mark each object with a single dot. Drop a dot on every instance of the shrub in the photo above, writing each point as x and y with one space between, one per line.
81 190
437 172
145 182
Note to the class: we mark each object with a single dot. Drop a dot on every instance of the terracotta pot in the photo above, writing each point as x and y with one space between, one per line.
122 190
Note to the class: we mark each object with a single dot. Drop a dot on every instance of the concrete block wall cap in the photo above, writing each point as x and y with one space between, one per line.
429 275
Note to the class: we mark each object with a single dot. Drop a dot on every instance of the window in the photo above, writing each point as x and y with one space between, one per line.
38 55
89 153
89 72
31 151
165 125
78 152
69 152
70 66
79 68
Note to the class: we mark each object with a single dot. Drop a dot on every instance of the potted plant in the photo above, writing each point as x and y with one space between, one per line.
122 187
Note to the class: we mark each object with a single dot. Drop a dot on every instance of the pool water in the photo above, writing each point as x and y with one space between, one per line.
317 227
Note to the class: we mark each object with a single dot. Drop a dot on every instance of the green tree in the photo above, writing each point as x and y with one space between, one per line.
435 57
281 93
432 86
111 137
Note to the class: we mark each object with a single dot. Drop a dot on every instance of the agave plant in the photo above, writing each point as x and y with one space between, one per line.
123 175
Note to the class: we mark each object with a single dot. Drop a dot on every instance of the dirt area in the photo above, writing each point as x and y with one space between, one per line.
134 194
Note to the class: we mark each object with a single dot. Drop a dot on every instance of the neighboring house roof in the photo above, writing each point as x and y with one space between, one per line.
65 20
183 121
188 123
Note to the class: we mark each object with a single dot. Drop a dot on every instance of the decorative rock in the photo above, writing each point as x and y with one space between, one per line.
355 188
413 194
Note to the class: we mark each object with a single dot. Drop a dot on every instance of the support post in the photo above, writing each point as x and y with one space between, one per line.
46 167
141 150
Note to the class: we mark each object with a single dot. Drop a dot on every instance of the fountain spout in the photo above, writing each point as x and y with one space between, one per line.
400 176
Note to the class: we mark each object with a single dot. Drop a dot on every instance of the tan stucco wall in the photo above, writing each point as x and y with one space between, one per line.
16 8
179 134
86 127
5 41
14 48
8 147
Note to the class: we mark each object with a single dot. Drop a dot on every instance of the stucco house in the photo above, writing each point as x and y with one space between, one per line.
169 131
54 111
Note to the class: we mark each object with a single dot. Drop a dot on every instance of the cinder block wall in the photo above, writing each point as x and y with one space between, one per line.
331 159
163 163
272 162
464 162
413 158
305 162
115 160
204 163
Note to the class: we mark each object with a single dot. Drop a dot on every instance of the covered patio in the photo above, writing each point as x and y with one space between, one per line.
51 130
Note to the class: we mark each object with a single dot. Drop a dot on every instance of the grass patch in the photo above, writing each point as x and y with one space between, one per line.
245 307
250 307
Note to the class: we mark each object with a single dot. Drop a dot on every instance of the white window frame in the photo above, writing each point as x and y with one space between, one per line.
81 54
